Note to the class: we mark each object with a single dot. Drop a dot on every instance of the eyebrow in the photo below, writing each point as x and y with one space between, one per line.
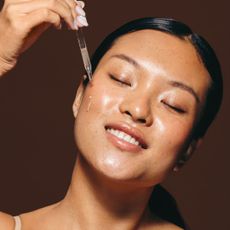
175 84
127 59
185 87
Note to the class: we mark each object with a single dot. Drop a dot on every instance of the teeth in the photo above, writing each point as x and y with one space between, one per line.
123 136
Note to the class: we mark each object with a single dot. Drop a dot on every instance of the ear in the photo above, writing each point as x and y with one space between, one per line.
194 145
78 99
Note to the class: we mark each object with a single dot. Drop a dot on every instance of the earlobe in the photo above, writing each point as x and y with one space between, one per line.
78 99
194 145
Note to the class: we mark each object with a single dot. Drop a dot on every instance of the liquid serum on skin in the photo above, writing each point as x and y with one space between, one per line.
89 105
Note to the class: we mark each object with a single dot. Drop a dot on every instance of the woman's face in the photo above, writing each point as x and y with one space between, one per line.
135 120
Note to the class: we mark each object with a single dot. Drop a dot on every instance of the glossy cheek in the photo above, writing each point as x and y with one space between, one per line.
160 125
100 105
169 138
103 97
106 103
106 158
172 133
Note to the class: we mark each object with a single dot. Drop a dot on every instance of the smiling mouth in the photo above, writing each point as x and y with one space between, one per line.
126 136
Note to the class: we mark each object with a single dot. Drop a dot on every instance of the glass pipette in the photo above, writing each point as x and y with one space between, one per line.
84 52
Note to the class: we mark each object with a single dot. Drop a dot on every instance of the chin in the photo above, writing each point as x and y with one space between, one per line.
119 169
115 169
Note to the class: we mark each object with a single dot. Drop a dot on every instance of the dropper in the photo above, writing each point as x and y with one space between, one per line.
84 52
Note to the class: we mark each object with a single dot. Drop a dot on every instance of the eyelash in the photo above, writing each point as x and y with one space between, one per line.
176 109
119 81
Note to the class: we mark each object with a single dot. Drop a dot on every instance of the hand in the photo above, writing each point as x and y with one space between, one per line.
23 21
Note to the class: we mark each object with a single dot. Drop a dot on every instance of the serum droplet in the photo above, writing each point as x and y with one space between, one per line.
89 105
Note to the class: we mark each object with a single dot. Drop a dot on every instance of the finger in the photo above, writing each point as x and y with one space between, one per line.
72 4
70 7
80 21
40 16
81 3
77 10
56 6
79 14
80 11
15 1
10 2
67 6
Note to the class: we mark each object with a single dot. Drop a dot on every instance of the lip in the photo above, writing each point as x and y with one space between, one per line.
130 130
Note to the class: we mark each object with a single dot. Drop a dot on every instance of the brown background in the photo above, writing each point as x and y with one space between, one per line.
37 150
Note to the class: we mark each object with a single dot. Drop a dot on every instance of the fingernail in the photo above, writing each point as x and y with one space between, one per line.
81 3
82 20
80 11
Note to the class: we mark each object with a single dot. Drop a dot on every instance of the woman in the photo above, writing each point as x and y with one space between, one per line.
152 78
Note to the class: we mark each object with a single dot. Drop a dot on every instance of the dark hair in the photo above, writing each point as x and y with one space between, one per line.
182 31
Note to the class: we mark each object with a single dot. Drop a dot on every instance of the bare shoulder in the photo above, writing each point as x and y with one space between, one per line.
6 221
170 226
163 226
157 223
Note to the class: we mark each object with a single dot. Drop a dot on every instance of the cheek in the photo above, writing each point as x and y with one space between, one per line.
172 130
169 139
99 104
101 99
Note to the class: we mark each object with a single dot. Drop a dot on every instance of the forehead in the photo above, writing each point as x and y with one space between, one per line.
158 45
163 54
160 48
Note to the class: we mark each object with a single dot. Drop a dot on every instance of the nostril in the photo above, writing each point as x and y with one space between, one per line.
128 113
141 120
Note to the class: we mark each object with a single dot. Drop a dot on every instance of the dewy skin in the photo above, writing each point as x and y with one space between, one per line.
90 102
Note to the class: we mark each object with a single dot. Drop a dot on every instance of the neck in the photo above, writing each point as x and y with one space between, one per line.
98 201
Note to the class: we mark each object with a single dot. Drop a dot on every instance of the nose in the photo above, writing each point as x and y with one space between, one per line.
138 108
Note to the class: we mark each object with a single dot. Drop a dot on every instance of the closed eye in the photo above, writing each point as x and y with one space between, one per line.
120 82
174 108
